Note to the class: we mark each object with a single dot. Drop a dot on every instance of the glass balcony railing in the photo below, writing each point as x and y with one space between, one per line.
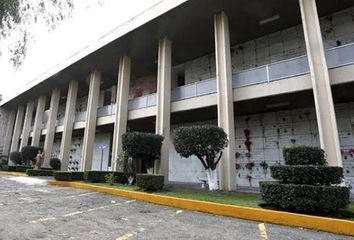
142 102
107 110
60 122
80 117
336 57
340 56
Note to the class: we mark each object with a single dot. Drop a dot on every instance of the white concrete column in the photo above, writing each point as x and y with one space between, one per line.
27 124
66 138
52 118
227 173
120 124
17 131
9 132
326 119
163 114
38 120
91 119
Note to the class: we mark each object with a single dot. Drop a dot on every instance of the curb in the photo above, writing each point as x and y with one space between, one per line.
331 225
18 174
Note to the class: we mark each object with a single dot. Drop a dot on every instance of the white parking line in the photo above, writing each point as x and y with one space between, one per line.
43 220
72 214
130 234
262 231
80 212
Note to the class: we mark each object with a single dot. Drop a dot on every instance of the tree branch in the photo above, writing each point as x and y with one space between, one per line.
202 160
217 161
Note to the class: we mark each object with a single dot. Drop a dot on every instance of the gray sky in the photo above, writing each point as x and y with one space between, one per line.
90 21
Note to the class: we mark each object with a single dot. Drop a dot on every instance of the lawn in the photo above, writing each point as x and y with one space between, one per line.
232 198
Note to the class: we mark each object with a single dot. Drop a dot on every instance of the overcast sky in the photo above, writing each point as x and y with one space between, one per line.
90 21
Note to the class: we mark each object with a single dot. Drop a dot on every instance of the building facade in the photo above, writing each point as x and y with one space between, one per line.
281 72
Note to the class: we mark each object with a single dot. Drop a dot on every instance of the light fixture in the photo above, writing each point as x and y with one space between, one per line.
276 105
268 20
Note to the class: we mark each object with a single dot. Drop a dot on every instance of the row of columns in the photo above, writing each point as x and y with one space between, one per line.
328 133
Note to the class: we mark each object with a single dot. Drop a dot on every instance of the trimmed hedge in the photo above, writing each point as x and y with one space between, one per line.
21 168
39 172
305 198
100 176
304 155
311 175
68 176
150 182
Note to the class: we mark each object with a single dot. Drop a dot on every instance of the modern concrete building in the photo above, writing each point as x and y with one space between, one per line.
281 69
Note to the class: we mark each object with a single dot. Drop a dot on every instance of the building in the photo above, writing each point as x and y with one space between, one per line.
282 70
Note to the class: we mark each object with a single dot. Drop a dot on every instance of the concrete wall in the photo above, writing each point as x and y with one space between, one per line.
270 133
285 44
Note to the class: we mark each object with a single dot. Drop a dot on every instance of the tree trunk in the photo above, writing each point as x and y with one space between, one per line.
212 179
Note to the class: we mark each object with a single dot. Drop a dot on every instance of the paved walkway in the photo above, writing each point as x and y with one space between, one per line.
31 209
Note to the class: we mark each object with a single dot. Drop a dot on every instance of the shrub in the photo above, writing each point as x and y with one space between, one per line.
29 153
68 176
304 155
9 168
149 182
22 168
110 178
306 187
206 142
100 176
305 198
16 157
3 161
55 163
312 175
144 146
39 172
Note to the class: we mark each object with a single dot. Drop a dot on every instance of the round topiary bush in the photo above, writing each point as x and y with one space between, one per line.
144 146
16 157
206 142
306 184
55 163
303 155
311 175
29 154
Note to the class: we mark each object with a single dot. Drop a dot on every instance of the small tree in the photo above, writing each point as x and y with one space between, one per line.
29 153
206 143
16 157
144 146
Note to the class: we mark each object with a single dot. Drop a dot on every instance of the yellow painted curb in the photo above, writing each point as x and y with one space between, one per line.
332 225
18 174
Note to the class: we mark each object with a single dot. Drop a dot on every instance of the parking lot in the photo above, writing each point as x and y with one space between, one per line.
31 209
